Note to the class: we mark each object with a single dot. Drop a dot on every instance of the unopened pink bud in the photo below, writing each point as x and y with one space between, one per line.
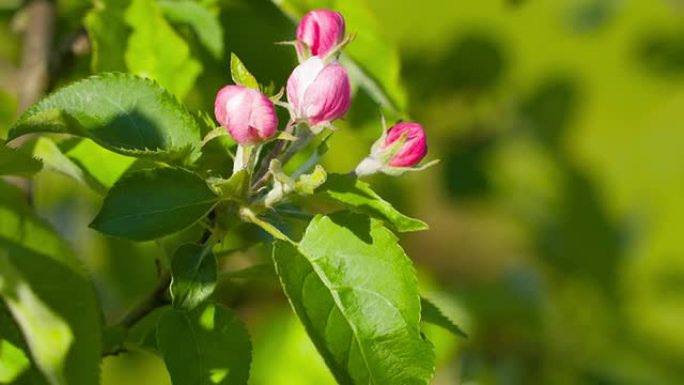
320 30
319 93
247 114
413 149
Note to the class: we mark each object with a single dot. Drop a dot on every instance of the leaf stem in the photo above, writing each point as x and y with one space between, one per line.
249 216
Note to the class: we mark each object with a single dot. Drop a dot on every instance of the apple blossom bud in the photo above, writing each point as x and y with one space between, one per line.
413 149
319 31
318 92
400 148
247 114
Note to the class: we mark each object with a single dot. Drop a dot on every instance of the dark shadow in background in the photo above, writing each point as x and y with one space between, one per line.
578 241
474 63
472 67
662 53
251 29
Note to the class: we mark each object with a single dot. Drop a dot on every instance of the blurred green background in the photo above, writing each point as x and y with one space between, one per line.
556 213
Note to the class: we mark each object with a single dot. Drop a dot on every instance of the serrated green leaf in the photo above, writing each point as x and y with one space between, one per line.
123 113
47 294
148 204
108 34
431 313
156 51
193 271
240 73
355 291
359 197
15 162
203 21
205 346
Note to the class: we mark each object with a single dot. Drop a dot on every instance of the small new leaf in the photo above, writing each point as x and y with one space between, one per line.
193 272
429 312
148 204
234 188
308 183
240 74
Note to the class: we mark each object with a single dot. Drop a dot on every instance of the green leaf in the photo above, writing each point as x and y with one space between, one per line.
193 271
308 183
152 203
241 74
82 160
203 21
123 113
234 188
355 291
108 34
55 160
104 166
359 197
48 296
19 225
216 159
15 162
14 359
432 314
205 346
13 362
372 61
156 51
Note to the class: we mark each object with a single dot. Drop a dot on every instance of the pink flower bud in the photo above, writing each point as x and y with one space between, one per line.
413 149
320 30
247 114
319 93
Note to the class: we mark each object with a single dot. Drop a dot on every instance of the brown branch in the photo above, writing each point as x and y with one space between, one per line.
157 298
37 46
38 31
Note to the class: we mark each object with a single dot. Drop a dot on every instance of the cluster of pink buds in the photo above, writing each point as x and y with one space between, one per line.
318 92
